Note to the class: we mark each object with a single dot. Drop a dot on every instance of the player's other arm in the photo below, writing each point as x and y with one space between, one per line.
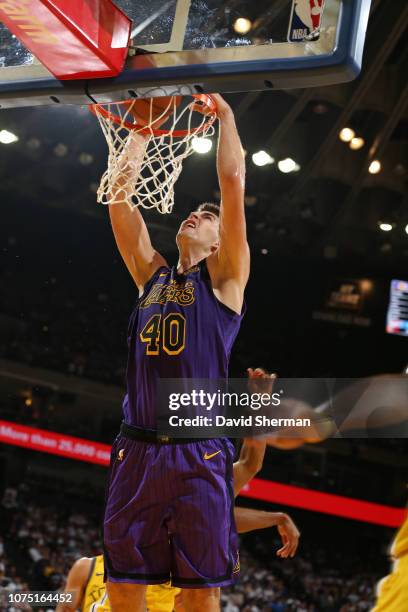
231 261
130 231
76 583
249 463
248 519
253 449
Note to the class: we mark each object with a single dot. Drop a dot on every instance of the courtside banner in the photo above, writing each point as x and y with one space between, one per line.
54 443
328 503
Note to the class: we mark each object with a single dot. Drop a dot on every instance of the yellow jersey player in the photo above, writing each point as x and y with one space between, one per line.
86 583
392 591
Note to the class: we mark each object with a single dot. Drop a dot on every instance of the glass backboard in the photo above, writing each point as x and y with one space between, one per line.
204 46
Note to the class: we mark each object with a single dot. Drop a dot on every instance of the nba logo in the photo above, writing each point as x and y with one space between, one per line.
305 19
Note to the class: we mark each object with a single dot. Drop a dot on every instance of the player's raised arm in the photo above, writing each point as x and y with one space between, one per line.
233 251
229 265
129 228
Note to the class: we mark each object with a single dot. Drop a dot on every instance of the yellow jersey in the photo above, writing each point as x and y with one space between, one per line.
95 596
159 597
392 591
399 547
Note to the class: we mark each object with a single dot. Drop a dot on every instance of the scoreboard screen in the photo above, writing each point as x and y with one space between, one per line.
397 315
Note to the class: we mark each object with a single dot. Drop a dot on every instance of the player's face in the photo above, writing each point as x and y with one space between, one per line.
201 227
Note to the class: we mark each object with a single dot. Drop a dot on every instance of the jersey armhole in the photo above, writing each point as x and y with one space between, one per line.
149 282
91 571
223 306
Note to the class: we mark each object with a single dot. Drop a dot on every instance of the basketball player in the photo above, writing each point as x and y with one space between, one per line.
85 579
392 591
169 507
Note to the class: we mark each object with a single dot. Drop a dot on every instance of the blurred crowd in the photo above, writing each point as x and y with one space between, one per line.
74 335
304 584
38 545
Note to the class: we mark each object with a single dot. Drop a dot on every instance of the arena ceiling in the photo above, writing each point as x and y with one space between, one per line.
330 208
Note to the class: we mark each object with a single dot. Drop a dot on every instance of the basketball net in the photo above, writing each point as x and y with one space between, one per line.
144 162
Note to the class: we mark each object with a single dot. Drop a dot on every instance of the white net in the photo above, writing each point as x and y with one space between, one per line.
144 161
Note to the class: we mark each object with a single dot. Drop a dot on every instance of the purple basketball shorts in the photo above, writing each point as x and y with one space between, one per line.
169 514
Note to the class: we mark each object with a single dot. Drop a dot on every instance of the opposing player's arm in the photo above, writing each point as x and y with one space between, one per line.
76 583
130 231
253 450
248 519
249 463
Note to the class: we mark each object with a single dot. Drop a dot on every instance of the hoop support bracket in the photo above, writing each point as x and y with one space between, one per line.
73 40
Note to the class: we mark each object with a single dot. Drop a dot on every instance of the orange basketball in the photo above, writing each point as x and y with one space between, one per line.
285 443
156 110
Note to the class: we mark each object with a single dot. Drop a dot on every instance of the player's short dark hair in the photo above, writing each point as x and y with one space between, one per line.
210 207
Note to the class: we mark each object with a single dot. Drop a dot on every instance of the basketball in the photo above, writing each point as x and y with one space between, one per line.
153 111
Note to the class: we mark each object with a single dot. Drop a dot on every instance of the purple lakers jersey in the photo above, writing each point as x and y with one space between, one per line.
178 329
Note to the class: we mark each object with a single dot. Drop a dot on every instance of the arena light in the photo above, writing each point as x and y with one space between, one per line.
60 150
386 248
262 158
85 159
366 285
374 167
347 134
242 25
288 165
320 108
7 137
250 200
385 227
201 145
400 170
406 229
357 143
34 144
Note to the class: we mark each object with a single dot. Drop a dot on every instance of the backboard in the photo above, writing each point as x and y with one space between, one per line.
195 46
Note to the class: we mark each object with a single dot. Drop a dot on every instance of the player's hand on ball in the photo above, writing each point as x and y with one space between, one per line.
290 535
